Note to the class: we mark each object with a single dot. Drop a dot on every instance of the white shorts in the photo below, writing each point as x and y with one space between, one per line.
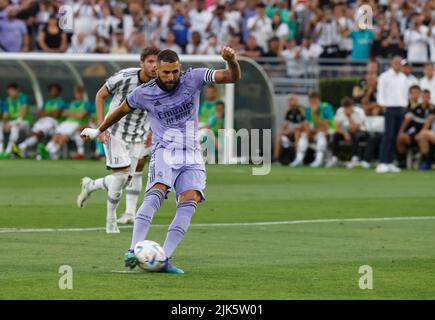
121 154
46 125
67 128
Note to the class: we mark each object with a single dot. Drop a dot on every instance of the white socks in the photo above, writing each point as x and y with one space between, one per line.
29 142
13 137
114 193
302 147
321 145
53 148
133 192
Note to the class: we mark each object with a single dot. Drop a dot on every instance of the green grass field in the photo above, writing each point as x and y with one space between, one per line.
304 260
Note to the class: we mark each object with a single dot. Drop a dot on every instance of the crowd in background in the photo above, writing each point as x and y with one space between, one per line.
291 29
388 122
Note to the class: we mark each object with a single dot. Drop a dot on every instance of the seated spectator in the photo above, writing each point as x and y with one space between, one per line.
195 46
407 70
48 117
417 41
413 124
107 25
15 109
426 140
76 115
179 24
236 42
211 46
292 56
280 29
169 43
260 26
289 131
388 41
79 45
252 50
199 17
350 122
13 33
120 45
220 25
273 48
51 38
362 40
86 13
328 32
428 81
319 121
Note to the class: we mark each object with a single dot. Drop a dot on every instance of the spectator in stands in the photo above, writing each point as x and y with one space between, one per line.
200 18
13 33
362 40
75 115
179 24
365 92
260 26
86 13
15 109
416 41
236 43
416 116
170 43
120 45
428 81
388 41
407 71
252 50
125 21
345 19
51 38
350 127
273 48
211 46
292 55
280 30
392 95
47 122
151 27
234 15
107 25
79 44
328 32
319 121
196 44
290 129
280 8
310 52
220 25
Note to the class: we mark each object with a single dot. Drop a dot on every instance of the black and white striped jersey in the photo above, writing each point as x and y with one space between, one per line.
134 126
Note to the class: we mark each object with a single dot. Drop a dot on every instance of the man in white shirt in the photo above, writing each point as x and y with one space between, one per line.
260 26
428 81
350 124
416 41
200 18
407 70
392 90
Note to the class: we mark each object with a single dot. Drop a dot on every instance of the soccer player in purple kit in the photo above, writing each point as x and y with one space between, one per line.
172 103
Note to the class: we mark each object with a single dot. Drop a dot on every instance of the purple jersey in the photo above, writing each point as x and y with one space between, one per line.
173 114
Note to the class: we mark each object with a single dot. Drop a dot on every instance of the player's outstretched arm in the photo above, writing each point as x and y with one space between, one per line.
112 118
232 73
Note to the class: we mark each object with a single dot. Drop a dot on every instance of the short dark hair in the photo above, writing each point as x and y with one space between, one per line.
414 87
13 85
55 85
149 51
168 55
220 102
313 94
426 91
347 102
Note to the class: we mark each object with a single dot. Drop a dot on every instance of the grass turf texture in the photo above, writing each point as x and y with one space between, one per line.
301 261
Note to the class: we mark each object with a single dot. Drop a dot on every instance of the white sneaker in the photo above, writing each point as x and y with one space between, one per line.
85 193
296 163
112 227
126 218
316 164
382 168
333 162
354 162
365 165
393 168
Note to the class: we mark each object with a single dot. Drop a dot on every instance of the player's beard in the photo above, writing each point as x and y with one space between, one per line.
169 85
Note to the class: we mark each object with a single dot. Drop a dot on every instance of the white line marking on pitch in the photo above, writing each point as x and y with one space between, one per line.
236 224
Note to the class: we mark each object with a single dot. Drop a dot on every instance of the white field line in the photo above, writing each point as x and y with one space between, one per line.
236 224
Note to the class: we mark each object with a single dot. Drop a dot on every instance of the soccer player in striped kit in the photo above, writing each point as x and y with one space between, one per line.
172 102
124 143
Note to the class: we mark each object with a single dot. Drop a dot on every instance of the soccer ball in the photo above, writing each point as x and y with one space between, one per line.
150 255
